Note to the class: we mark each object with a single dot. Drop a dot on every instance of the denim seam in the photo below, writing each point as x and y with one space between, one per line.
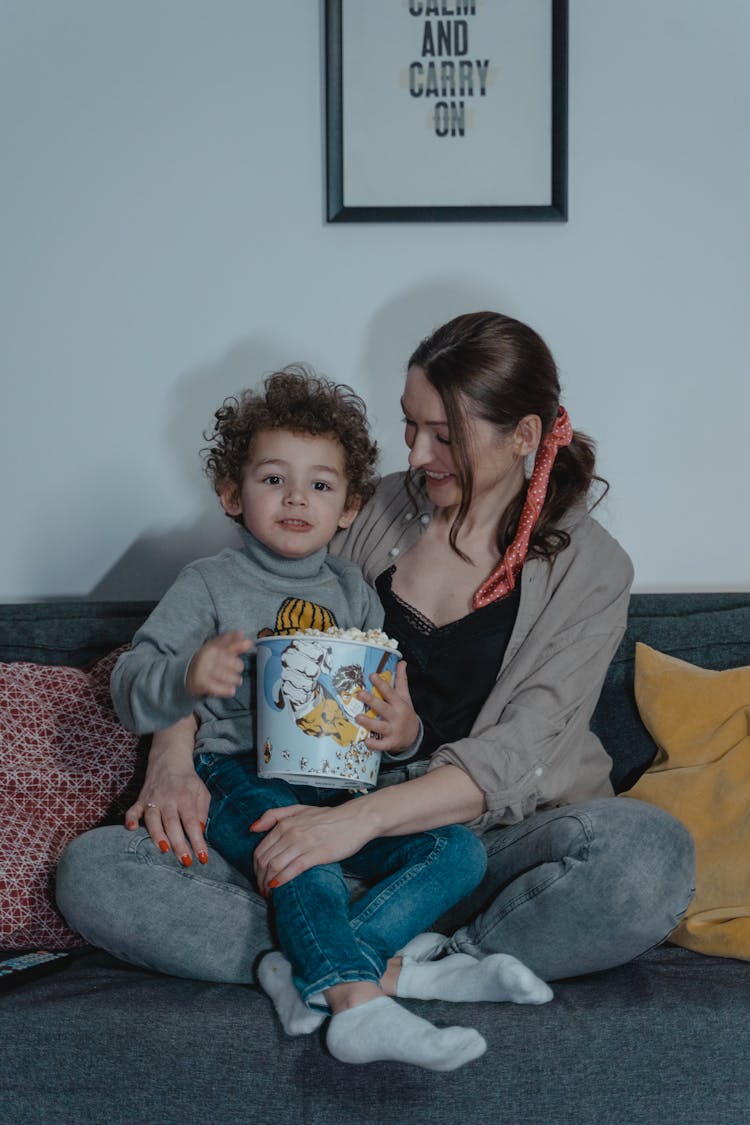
581 855
377 961
675 923
332 976
349 976
392 888
583 820
142 856
291 889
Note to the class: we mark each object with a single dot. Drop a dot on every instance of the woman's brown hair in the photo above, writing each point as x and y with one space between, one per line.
496 368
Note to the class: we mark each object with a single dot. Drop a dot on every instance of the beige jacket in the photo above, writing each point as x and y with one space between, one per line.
530 747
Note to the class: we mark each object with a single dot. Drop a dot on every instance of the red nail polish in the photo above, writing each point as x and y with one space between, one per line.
274 884
163 846
185 860
202 857
203 825
131 824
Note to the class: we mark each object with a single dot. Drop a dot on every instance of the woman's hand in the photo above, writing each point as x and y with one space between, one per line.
396 726
302 836
173 802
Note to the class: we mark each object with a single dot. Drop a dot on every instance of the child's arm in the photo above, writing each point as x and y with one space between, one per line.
149 682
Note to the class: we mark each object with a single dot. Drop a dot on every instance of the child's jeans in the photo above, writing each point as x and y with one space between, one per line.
329 940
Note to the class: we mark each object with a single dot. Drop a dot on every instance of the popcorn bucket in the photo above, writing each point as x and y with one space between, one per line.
306 703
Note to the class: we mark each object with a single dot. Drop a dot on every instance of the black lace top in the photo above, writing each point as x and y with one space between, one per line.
452 667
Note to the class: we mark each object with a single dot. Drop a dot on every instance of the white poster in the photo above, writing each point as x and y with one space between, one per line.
450 109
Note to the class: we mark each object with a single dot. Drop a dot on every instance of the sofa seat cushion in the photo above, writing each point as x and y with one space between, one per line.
66 765
664 1039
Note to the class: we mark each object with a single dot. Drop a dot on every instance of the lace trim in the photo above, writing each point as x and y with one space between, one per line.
418 621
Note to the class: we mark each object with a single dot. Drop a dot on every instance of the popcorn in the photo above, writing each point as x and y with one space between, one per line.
361 636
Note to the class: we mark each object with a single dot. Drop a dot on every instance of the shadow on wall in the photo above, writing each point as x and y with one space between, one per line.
153 560
392 334
151 563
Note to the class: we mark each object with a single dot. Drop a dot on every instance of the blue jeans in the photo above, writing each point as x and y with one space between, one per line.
568 891
328 939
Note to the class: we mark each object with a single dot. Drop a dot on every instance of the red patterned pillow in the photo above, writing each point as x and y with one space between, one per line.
66 764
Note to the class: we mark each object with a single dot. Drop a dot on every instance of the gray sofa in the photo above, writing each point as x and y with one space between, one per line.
664 1039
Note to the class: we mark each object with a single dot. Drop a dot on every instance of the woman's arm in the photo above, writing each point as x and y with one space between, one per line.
301 836
173 801
531 746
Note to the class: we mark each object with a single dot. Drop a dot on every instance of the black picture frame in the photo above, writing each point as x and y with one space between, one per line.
554 208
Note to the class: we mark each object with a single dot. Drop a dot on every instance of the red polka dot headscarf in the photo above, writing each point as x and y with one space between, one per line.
504 577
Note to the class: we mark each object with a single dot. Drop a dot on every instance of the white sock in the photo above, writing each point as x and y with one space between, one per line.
381 1029
275 976
423 947
461 977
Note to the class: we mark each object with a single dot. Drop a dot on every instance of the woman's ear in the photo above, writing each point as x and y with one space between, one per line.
528 434
229 496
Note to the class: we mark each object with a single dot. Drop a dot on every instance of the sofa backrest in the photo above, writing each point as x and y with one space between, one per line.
74 633
710 630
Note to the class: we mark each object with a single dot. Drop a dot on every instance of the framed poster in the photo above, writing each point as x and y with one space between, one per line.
446 110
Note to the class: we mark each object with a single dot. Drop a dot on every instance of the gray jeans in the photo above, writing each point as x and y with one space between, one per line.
569 891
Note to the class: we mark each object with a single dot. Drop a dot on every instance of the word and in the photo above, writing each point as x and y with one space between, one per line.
443 71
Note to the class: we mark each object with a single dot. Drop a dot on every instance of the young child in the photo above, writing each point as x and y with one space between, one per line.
292 465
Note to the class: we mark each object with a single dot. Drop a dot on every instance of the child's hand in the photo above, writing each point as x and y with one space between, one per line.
396 726
217 667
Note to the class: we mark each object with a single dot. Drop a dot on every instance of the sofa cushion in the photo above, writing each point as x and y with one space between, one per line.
664 1039
66 765
73 633
701 774
712 630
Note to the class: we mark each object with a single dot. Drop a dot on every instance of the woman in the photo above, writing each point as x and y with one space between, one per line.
508 601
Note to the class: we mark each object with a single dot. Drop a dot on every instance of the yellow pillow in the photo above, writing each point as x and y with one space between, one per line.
700 721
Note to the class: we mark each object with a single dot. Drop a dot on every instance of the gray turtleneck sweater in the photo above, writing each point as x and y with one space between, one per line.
236 589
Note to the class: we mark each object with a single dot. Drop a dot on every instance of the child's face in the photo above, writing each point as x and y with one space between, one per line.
293 495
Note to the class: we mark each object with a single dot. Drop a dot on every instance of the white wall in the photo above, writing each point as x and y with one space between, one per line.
162 244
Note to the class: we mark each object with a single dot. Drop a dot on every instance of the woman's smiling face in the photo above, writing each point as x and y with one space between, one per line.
493 455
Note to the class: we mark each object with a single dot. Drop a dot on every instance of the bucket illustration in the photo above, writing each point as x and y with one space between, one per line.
306 707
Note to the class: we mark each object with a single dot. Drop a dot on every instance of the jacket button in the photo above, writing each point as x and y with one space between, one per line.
394 551
425 519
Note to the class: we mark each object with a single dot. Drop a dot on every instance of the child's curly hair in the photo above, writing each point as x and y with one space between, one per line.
295 399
